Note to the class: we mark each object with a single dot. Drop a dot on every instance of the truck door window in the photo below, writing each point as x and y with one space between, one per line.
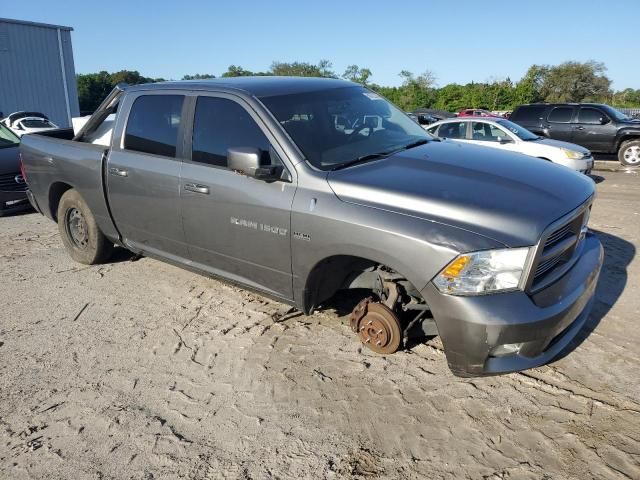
561 115
221 124
153 124
590 116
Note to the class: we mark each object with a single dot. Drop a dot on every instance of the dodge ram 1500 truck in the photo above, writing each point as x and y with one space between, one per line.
299 188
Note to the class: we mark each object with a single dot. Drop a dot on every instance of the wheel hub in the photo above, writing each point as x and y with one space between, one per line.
632 154
77 228
377 326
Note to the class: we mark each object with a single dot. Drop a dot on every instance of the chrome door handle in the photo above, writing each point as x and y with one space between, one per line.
579 128
197 188
118 171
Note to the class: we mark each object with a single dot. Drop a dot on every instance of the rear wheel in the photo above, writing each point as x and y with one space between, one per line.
79 231
629 153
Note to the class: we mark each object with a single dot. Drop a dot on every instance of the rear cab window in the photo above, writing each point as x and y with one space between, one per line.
154 124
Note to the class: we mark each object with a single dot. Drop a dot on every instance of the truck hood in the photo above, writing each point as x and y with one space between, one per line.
508 197
9 160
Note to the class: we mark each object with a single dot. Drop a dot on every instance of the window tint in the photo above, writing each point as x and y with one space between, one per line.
453 130
487 132
528 113
590 116
221 124
153 124
561 115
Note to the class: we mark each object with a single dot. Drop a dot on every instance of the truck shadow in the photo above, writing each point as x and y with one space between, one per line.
618 254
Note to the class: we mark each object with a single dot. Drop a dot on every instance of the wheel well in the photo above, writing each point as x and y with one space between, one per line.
55 194
342 272
626 138
544 158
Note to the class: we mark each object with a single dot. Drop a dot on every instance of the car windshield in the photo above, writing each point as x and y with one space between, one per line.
617 115
7 137
37 123
521 132
336 127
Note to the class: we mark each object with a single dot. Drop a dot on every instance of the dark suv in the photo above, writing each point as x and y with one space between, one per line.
600 128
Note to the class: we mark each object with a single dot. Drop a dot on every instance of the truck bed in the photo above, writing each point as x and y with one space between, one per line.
54 163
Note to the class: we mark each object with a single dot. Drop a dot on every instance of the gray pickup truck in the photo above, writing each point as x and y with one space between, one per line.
299 188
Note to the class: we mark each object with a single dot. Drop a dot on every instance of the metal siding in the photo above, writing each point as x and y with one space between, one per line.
30 72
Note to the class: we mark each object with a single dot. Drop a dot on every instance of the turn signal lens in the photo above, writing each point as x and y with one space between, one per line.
455 267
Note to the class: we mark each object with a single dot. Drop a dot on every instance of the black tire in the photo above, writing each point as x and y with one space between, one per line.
79 231
629 153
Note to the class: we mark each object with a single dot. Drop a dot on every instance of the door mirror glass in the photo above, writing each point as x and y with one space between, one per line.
247 161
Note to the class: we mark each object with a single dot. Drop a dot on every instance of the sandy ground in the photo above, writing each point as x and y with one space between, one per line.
137 369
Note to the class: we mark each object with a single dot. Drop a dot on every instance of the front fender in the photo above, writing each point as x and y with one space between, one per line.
416 248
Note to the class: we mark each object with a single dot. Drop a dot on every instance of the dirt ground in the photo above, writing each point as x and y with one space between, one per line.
137 369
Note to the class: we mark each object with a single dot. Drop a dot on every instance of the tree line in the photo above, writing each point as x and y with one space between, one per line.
567 82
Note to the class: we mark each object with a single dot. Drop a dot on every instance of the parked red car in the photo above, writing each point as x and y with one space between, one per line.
476 112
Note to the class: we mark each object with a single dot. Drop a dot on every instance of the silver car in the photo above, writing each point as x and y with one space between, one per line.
502 134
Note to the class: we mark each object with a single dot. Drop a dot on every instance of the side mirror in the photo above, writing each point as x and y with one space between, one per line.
246 161
503 140
604 120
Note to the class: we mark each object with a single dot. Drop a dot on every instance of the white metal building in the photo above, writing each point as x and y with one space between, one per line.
37 71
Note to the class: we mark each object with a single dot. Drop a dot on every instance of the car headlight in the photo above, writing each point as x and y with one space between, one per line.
572 154
483 272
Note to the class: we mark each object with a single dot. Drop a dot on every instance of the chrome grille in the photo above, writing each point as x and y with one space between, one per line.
557 250
8 182
558 235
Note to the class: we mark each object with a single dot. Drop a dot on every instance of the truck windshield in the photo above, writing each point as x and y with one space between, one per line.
338 126
7 137
521 132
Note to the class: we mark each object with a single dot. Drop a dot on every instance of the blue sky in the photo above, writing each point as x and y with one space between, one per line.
460 40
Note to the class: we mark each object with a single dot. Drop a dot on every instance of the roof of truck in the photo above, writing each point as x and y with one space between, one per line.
263 86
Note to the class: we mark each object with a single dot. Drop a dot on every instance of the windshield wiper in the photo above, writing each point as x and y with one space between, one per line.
362 159
379 155
417 143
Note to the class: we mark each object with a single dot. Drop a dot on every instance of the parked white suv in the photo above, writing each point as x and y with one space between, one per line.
505 135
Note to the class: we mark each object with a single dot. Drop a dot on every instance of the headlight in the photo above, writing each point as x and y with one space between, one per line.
572 154
484 272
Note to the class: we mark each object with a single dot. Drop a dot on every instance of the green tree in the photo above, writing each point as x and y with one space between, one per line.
356 74
238 71
576 82
94 87
198 76
303 69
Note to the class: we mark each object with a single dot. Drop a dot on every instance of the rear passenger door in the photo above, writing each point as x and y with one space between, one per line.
558 125
236 226
143 173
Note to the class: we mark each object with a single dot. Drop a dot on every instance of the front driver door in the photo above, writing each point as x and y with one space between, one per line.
594 130
236 226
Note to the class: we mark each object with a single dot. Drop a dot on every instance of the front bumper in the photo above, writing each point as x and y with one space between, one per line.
584 165
545 322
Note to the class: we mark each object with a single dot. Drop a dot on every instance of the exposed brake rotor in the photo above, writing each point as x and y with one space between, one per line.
377 326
